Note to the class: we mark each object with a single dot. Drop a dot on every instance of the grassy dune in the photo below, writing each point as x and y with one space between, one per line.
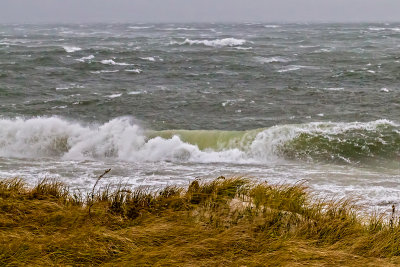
227 222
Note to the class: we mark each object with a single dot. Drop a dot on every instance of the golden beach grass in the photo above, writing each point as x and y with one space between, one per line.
226 222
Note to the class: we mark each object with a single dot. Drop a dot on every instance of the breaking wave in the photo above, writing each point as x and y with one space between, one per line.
214 43
123 139
112 62
71 49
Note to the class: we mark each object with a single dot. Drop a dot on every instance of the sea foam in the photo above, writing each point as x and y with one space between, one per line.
71 49
276 59
125 140
230 42
112 62
84 59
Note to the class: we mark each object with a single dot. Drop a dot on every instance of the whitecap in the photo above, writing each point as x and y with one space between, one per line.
325 50
59 107
112 62
272 26
334 89
152 59
309 46
290 68
384 90
377 29
276 59
62 88
182 29
214 43
104 71
243 48
71 49
70 86
114 95
134 71
140 27
134 93
84 59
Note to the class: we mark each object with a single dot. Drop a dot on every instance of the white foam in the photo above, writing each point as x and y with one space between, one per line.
276 59
214 43
134 71
124 140
135 92
243 48
272 26
377 29
140 27
182 29
290 68
103 71
384 90
114 95
59 107
84 59
71 49
112 62
70 86
334 89
152 59
325 50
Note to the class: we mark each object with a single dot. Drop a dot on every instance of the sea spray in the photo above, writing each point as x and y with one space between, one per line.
123 139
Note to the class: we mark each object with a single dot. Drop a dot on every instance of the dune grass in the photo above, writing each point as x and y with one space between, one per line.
226 222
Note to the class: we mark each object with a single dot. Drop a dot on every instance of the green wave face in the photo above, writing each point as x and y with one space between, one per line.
211 139
350 143
348 146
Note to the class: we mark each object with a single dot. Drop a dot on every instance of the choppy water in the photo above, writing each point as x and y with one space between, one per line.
169 103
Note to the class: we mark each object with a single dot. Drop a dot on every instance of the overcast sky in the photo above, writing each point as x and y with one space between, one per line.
85 11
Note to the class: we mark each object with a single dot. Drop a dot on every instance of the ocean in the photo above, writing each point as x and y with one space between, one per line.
164 104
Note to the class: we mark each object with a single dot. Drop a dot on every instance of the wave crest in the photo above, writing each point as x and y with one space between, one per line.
123 139
214 43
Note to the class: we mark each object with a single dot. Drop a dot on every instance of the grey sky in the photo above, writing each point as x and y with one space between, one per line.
83 11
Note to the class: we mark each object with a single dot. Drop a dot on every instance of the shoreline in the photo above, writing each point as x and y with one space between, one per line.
228 221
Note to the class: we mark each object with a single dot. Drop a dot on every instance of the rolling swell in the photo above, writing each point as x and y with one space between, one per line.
123 139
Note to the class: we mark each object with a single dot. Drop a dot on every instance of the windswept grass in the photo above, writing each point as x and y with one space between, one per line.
226 222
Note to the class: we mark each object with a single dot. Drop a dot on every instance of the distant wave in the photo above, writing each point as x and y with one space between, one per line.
70 86
104 71
71 49
114 95
182 29
214 43
84 59
272 26
122 139
334 88
152 59
383 29
148 58
140 27
112 62
290 68
276 59
134 70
